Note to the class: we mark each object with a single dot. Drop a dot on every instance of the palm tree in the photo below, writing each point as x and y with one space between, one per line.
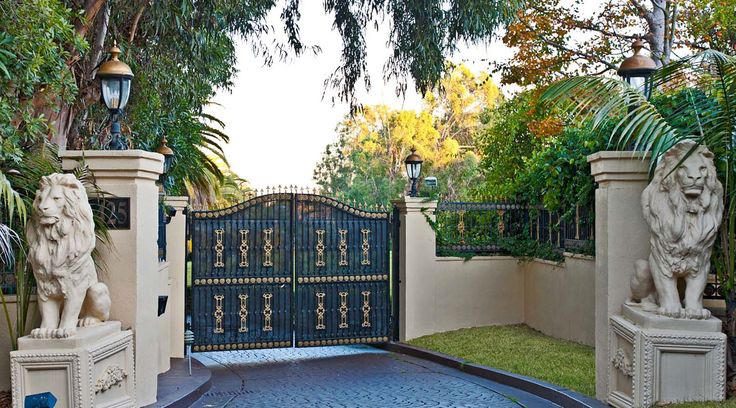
697 101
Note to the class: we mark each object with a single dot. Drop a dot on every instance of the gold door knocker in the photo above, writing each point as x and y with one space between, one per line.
267 312
320 248
219 248
243 313
320 311
343 310
219 314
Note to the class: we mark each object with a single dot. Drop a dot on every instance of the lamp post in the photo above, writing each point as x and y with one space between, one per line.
168 154
413 164
115 79
638 69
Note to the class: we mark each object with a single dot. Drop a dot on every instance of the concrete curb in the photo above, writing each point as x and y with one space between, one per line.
550 392
179 390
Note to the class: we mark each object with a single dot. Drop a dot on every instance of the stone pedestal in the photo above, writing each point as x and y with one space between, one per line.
621 237
92 369
416 237
131 262
660 360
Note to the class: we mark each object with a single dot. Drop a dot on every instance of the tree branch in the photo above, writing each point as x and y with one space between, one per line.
136 20
603 31
91 8
589 57
643 11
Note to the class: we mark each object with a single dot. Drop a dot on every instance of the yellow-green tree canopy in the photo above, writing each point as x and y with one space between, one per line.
367 162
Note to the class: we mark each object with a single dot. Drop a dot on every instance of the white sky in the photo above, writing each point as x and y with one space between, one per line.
277 120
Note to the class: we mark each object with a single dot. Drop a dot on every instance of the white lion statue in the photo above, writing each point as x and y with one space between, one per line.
683 205
61 237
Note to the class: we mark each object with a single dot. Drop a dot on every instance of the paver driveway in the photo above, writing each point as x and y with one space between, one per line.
347 376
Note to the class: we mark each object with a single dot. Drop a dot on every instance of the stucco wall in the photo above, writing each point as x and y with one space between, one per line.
440 294
450 293
559 300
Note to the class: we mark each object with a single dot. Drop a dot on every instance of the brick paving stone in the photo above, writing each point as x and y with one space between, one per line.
346 376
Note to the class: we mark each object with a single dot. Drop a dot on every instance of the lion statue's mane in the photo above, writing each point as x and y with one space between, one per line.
61 254
683 226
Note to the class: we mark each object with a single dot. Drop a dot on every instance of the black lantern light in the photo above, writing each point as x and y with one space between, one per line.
413 164
638 69
168 154
115 80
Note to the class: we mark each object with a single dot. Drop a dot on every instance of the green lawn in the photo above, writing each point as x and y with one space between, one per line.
522 350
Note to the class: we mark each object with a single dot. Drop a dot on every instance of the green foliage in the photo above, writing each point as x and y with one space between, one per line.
700 104
521 350
36 39
557 175
505 143
366 163
423 34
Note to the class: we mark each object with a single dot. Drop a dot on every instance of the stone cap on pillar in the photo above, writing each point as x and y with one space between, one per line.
414 204
104 164
608 166
178 202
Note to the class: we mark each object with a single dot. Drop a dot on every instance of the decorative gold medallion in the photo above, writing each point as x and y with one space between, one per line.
343 246
320 248
343 310
320 311
461 226
219 248
267 312
267 247
219 314
366 308
501 225
366 247
244 248
243 313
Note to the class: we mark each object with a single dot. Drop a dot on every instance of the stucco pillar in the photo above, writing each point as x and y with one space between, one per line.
416 290
176 256
621 237
131 263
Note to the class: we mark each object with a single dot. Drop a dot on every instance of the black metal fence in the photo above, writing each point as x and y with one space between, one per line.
496 228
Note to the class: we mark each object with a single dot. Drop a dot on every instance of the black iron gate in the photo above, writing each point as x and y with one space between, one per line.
290 267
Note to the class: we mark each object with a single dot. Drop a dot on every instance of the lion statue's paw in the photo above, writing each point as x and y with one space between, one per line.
88 321
674 311
41 333
697 313
63 333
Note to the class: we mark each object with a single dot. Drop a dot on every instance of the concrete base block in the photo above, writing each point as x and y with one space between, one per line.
92 369
653 364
